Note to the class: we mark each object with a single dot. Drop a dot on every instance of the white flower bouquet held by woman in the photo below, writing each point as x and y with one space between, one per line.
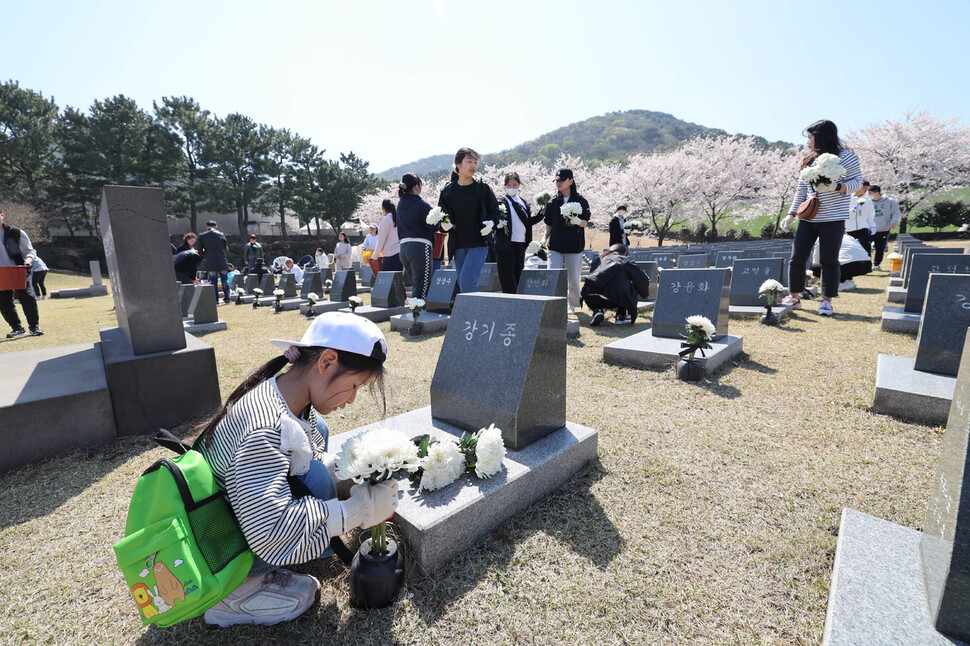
543 198
823 173
769 290
437 216
571 212
374 457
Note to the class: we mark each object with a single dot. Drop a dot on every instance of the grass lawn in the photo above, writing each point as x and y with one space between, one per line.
710 516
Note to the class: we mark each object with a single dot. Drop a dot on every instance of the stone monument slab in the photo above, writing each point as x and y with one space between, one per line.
923 250
488 281
726 259
367 275
646 351
204 305
344 285
687 292
945 319
543 282
517 345
650 268
442 291
388 290
186 294
922 265
747 277
896 319
910 394
665 259
312 284
288 285
692 261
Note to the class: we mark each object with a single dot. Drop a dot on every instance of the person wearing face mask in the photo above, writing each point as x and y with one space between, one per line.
887 217
473 210
513 234
618 228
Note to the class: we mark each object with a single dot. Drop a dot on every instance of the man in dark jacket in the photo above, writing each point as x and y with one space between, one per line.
618 227
16 251
214 246
614 282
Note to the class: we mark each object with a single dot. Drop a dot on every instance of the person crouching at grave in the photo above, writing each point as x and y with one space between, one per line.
416 235
267 447
512 239
186 265
290 267
854 261
614 283
16 251
567 237
473 210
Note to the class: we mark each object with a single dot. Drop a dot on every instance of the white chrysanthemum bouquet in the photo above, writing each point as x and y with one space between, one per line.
503 223
571 212
437 216
700 332
415 305
823 173
355 302
634 225
374 457
533 248
443 461
769 290
278 293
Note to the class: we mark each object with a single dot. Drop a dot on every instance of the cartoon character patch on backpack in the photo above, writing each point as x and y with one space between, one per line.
159 597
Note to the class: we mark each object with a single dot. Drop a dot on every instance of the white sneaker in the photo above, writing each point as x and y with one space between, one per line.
278 596
847 285
877 268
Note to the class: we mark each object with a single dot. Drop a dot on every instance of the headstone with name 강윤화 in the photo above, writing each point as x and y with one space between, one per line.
689 292
946 317
748 276
388 290
344 285
543 282
503 362
488 281
922 265
442 291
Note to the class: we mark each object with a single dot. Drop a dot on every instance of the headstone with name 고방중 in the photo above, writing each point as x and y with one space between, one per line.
543 282
689 292
942 330
442 291
344 285
503 362
747 277
922 266
388 290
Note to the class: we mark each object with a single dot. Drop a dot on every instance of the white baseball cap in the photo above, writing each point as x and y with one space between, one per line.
341 331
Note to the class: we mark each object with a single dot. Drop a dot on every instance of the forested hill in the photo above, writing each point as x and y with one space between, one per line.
610 137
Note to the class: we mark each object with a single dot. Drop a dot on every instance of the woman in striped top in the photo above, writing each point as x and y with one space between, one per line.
267 449
828 225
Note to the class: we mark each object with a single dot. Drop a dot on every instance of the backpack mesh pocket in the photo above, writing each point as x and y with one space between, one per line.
217 534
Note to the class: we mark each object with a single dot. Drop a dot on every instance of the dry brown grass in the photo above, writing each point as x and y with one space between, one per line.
709 518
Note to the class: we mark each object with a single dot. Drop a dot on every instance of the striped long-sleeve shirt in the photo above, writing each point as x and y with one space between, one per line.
832 206
245 455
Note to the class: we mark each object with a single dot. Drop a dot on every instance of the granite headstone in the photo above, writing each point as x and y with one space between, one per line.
910 252
288 285
726 258
747 277
665 259
366 275
543 282
488 281
688 292
186 294
442 291
203 308
692 261
503 362
925 264
95 273
312 283
344 285
388 290
652 271
267 284
942 330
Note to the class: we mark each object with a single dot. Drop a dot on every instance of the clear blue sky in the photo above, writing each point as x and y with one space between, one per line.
396 81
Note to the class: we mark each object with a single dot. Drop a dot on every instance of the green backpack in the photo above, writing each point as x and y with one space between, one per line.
183 550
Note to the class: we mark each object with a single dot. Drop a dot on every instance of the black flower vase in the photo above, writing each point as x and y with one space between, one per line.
256 302
415 328
769 317
309 310
690 369
277 307
239 298
376 580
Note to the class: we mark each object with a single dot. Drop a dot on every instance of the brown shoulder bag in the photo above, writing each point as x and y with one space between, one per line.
807 209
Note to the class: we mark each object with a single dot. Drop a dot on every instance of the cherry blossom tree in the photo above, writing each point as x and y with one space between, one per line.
659 186
914 158
726 174
780 180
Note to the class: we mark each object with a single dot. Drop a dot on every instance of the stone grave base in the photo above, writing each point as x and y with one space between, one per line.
81 292
324 306
894 274
754 312
159 389
202 328
292 303
644 350
902 391
646 306
438 525
877 594
432 322
377 314
363 289
896 294
247 299
894 319
895 282
52 400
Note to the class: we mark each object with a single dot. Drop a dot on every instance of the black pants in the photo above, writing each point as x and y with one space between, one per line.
848 271
416 258
38 281
598 302
27 301
510 264
879 241
829 236
864 238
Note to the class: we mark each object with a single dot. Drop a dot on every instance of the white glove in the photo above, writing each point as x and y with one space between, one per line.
370 504
786 223
575 220
487 228
872 231
446 225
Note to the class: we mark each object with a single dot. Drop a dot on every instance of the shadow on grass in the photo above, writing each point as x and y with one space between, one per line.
572 516
868 290
857 317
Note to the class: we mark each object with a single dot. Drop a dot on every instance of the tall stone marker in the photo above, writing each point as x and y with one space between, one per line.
344 285
687 292
141 273
488 281
388 289
157 374
543 282
925 264
312 283
503 362
943 329
288 285
441 293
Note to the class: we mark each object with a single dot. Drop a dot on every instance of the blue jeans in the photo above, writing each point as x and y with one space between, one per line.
224 277
469 264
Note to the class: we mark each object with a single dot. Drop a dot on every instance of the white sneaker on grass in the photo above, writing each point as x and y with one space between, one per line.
846 285
278 596
825 308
